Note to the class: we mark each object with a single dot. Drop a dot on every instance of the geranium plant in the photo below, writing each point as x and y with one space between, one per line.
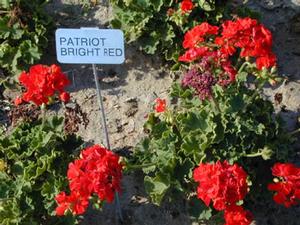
158 26
24 29
33 164
218 132
96 175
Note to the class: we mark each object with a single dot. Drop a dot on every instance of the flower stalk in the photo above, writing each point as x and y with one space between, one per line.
141 166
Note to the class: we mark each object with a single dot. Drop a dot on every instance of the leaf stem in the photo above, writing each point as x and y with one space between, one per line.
253 155
294 132
243 66
5 199
202 158
215 103
43 109
210 45
141 166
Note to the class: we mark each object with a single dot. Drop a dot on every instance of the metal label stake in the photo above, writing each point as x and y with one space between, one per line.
105 132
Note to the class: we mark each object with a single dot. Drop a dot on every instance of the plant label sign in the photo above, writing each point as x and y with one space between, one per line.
90 46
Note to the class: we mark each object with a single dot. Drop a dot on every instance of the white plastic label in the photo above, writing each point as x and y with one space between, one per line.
90 46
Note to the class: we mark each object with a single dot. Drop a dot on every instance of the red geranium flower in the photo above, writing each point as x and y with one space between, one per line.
193 54
288 188
221 183
286 170
186 5
160 105
65 97
75 203
196 35
230 70
244 36
236 215
43 82
99 172
266 61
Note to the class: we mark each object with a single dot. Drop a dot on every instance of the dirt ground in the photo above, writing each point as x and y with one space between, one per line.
129 91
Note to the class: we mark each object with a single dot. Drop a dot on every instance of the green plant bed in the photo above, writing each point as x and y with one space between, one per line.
219 143
236 125
33 164
158 26
24 27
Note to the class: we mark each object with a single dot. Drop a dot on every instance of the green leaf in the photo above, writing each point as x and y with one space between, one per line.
36 171
140 19
207 5
4 4
56 123
157 4
16 33
242 77
18 168
185 170
116 24
198 210
190 145
24 27
236 103
157 186
149 43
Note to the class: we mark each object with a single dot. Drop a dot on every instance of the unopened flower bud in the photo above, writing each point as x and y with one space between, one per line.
272 82
18 101
273 69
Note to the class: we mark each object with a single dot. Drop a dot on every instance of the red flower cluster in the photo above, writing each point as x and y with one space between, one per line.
237 215
252 38
197 34
223 185
288 186
99 172
160 105
43 82
74 202
186 5
246 34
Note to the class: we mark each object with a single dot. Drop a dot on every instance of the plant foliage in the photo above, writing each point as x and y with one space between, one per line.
159 25
23 34
33 164
236 125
